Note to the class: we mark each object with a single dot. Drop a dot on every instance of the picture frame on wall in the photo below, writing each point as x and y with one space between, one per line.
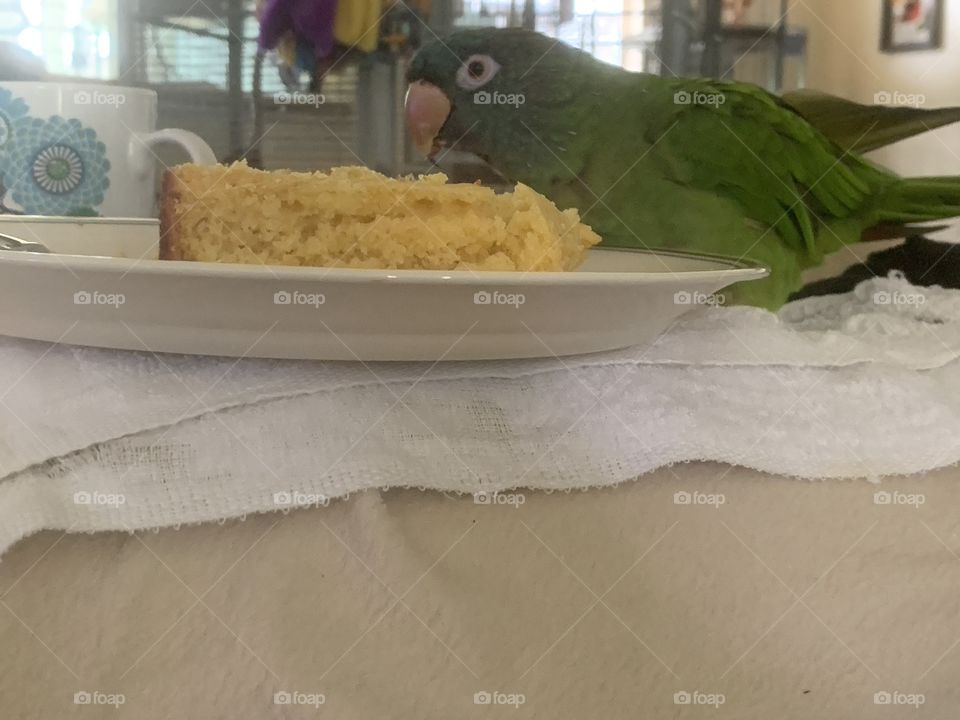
911 25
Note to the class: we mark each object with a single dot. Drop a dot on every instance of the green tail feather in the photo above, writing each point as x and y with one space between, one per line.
921 200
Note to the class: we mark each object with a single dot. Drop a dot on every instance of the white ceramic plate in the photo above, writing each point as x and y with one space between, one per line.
616 299
123 238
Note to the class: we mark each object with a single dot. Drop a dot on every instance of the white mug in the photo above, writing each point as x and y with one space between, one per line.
83 149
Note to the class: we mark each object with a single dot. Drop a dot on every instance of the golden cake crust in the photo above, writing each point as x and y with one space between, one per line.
169 201
355 217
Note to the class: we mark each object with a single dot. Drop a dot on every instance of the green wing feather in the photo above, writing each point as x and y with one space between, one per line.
781 171
862 128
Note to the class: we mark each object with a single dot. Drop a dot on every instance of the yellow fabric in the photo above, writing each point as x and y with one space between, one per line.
358 23
287 50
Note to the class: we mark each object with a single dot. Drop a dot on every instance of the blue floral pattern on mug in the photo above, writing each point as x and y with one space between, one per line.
12 109
56 167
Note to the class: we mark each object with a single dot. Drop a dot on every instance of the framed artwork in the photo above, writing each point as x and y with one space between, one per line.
912 25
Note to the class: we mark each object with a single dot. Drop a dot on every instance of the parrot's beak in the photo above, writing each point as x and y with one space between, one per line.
427 111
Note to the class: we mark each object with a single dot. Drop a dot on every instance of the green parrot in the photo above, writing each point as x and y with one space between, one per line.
693 164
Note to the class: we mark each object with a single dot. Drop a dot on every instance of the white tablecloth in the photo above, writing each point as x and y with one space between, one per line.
860 385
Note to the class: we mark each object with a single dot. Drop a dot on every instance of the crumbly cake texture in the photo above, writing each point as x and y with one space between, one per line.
355 217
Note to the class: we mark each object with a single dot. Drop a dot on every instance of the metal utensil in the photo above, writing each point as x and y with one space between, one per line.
8 242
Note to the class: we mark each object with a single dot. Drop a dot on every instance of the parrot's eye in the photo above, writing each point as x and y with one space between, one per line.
476 71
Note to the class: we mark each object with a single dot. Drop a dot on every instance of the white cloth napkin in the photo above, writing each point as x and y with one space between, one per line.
859 385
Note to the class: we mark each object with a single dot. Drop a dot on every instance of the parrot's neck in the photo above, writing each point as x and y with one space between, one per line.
546 146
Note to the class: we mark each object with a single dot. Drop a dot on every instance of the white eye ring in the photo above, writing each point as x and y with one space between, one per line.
477 71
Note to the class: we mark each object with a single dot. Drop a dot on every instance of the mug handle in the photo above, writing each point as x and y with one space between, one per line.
198 150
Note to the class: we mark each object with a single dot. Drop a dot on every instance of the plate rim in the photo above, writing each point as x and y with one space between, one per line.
68 220
739 268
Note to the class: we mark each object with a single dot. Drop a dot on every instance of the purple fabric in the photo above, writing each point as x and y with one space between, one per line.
310 20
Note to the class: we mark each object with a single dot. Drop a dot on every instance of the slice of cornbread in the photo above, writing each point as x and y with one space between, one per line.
355 217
